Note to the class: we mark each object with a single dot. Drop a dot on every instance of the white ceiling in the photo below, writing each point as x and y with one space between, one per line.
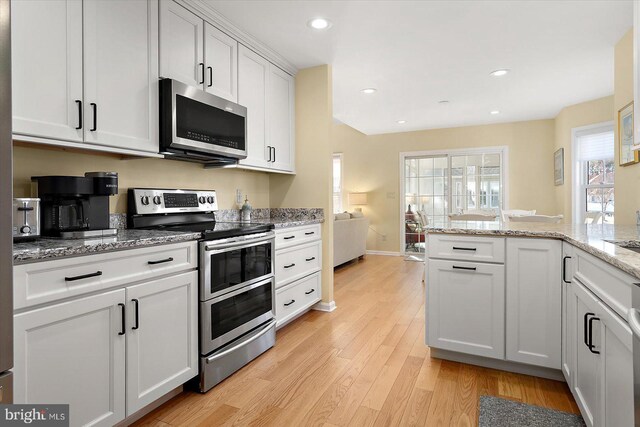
417 53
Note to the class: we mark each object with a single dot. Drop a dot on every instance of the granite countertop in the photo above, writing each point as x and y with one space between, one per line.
594 239
45 249
286 223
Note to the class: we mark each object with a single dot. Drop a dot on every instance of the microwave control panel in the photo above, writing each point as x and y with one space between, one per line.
160 201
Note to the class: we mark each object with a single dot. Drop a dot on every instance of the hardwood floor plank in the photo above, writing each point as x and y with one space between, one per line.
363 364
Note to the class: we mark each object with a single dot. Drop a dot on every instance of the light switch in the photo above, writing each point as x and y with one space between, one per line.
238 196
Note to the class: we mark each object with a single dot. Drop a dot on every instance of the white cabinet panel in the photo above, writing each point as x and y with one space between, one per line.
120 74
533 306
181 44
73 353
162 337
466 248
466 307
568 319
253 75
221 61
294 299
281 118
47 68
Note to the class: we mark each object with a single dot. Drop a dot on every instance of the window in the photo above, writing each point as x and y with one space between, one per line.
438 184
337 183
595 174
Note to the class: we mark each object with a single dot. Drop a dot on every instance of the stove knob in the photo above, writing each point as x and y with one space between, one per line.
202 200
144 200
25 229
210 199
157 200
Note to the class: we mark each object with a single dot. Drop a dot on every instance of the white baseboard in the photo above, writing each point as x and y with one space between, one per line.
386 253
325 306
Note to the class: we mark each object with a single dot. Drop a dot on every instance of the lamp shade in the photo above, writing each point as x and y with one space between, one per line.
357 198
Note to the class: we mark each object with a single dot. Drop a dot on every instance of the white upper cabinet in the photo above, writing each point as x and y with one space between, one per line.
110 49
253 77
221 63
269 95
534 301
181 44
47 68
281 118
120 73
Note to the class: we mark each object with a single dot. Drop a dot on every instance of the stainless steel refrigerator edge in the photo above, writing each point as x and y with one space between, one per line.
6 196
634 323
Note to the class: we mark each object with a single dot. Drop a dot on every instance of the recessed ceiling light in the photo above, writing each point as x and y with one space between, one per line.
401 122
444 101
495 112
499 73
369 90
319 23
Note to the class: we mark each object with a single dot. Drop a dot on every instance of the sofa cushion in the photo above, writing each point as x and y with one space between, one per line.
341 216
356 214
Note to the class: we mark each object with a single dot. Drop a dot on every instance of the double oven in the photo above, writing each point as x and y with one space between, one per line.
237 315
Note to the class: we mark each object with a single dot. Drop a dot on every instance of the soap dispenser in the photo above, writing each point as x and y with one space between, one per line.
245 212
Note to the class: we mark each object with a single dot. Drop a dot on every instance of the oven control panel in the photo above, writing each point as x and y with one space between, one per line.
159 201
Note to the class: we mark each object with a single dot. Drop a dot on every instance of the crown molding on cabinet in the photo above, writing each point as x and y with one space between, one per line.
214 17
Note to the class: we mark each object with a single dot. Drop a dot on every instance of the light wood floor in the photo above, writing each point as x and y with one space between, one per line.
363 364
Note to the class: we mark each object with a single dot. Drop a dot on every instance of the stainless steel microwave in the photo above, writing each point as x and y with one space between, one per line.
198 126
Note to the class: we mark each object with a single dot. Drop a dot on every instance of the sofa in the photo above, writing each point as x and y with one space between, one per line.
349 238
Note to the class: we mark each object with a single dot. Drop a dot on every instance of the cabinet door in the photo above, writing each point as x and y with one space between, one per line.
533 307
617 379
281 99
81 340
221 59
568 320
466 307
253 77
120 74
181 40
162 337
47 68
587 374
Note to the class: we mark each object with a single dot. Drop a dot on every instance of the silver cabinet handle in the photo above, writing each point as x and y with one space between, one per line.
266 329
634 321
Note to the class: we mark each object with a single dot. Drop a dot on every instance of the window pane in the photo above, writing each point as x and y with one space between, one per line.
609 171
607 200
595 172
425 167
594 199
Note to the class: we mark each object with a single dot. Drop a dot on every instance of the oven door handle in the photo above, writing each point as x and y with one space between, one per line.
263 238
242 290
634 321
266 328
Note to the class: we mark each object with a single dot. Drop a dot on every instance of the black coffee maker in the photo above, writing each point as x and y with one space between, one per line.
76 206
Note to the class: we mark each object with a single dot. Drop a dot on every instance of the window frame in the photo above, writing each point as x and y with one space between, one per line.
340 193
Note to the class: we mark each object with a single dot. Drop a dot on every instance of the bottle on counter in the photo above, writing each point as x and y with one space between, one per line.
245 211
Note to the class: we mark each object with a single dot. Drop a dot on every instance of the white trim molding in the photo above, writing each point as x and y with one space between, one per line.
385 253
325 306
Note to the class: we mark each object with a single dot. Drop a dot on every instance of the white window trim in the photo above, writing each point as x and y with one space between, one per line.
578 184
341 156
503 150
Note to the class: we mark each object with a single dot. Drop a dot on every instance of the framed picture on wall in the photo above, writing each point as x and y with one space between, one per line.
558 166
625 136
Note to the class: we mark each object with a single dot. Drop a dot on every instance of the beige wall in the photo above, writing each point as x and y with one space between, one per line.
311 186
628 177
584 114
372 165
30 161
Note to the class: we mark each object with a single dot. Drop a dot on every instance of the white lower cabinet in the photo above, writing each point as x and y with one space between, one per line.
162 336
466 307
533 302
568 321
73 353
76 351
603 374
298 271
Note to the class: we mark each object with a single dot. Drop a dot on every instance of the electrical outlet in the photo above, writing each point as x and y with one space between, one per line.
238 196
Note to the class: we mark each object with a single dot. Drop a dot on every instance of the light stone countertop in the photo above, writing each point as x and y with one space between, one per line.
45 249
593 239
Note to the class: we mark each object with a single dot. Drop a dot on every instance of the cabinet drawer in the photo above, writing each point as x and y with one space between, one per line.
451 246
295 235
295 298
297 261
47 281
610 284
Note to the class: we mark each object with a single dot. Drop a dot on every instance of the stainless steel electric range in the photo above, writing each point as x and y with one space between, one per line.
236 289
